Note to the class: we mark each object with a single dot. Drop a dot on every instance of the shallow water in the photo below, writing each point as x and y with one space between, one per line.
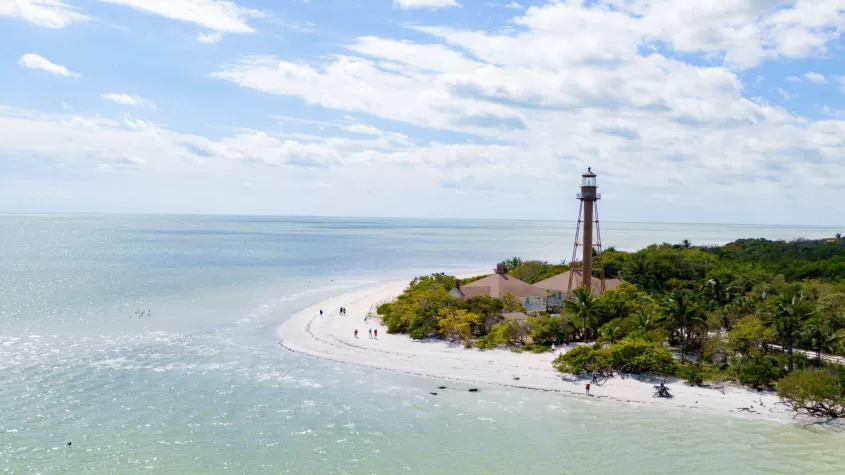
200 385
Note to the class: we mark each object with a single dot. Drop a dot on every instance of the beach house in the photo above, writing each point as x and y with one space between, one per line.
557 286
500 284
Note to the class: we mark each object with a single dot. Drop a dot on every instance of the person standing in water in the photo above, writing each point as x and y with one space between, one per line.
371 333
376 334
356 333
321 312
588 389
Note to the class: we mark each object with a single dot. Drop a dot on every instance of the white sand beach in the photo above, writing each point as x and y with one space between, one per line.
331 336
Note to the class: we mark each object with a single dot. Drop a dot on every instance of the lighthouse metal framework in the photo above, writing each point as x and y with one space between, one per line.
588 217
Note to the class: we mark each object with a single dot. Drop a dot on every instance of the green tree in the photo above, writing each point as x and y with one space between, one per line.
511 264
750 332
457 324
584 306
788 317
718 291
610 333
642 270
821 337
640 357
684 316
817 392
545 329
645 320
583 359
510 303
758 369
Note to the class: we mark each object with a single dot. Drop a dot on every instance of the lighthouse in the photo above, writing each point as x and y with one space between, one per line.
588 231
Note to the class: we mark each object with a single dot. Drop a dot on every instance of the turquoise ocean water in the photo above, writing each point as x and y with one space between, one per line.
199 384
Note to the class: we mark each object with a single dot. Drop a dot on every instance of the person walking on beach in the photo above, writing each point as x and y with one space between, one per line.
356 333
371 333
376 334
365 318
321 312
588 389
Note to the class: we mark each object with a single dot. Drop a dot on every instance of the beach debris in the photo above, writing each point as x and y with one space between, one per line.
441 387
473 390
68 443
516 378
433 394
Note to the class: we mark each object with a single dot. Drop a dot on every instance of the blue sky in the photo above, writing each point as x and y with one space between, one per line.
689 111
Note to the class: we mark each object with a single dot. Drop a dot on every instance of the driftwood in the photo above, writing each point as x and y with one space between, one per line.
818 409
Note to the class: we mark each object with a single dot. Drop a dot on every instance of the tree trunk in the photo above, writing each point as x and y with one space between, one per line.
789 355
585 329
683 347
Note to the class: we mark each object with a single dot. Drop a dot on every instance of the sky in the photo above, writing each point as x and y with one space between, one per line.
730 111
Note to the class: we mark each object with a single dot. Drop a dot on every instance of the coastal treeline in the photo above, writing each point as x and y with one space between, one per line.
426 310
767 314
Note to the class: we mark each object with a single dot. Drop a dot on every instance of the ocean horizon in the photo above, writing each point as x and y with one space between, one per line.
148 342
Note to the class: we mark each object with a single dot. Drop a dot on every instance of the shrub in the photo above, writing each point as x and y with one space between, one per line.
639 356
487 342
692 374
583 359
422 326
535 348
545 329
817 392
758 370
655 359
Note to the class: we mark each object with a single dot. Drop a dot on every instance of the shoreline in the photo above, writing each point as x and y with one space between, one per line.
330 337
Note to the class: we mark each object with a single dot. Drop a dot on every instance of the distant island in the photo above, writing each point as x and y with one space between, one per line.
769 315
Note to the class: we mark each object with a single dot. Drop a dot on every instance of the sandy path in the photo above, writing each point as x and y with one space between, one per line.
331 337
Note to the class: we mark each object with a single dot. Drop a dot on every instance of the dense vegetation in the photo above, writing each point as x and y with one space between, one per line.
762 313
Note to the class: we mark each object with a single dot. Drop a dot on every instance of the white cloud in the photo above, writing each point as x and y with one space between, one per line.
217 15
128 100
33 61
574 84
364 129
132 161
815 78
209 38
570 89
408 4
793 79
46 13
514 5
786 96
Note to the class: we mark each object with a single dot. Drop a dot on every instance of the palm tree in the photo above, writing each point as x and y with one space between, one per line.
641 270
821 337
684 315
719 291
789 316
512 263
610 333
686 244
645 320
584 305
